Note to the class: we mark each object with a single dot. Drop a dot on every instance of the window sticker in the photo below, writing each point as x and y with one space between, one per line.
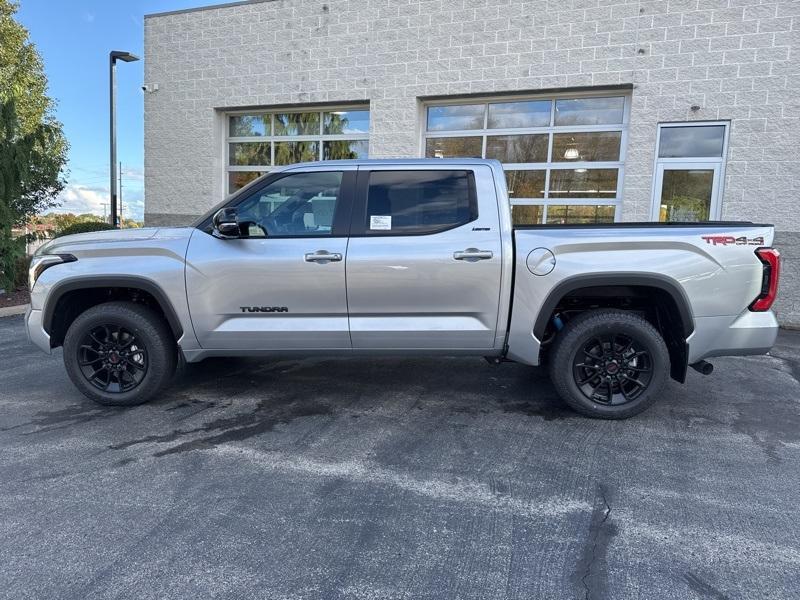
380 222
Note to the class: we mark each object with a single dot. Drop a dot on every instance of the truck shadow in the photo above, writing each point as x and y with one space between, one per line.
246 398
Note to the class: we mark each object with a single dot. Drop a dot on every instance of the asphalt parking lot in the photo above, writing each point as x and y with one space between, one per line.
401 478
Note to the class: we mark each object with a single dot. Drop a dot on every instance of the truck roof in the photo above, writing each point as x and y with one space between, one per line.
401 161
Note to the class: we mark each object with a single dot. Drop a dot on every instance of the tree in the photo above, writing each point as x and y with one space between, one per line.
33 150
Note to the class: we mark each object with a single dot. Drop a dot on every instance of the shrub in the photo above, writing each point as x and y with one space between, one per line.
21 272
84 227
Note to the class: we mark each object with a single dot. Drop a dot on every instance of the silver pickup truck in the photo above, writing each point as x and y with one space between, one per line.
405 257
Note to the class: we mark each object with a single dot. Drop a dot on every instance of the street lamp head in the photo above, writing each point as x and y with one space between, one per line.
123 56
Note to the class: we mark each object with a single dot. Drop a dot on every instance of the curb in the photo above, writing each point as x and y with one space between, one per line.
10 311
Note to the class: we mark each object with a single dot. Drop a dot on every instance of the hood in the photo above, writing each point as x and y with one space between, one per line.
110 237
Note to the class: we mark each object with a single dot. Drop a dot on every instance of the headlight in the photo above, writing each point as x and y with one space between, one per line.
45 261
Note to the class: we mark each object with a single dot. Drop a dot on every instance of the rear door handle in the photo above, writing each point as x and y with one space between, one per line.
323 256
473 254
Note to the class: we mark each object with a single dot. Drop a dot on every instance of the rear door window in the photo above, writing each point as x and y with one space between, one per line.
419 202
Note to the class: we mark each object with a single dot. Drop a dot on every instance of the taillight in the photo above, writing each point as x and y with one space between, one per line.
771 261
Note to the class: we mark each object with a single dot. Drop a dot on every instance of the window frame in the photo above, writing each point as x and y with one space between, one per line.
358 223
271 139
717 163
551 129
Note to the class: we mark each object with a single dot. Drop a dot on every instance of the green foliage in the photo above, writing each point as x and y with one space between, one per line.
33 150
84 227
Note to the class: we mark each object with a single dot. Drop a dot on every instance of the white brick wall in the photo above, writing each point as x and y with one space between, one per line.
736 59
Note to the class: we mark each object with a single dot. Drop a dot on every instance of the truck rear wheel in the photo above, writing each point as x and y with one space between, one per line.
119 353
609 364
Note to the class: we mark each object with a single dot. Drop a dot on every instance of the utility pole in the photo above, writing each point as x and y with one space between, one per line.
121 213
105 217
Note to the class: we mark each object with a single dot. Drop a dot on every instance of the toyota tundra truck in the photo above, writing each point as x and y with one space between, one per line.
405 257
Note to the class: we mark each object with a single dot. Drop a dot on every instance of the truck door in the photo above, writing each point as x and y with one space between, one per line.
282 285
424 258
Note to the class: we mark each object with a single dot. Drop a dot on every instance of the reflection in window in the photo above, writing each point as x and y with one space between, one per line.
525 184
517 148
506 115
346 121
576 214
454 147
457 117
583 183
287 153
249 125
589 111
297 124
692 142
344 149
239 179
686 195
603 145
249 153
527 214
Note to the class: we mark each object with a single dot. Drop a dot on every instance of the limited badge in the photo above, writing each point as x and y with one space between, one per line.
380 222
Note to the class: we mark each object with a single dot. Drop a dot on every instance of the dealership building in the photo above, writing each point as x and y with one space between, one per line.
600 110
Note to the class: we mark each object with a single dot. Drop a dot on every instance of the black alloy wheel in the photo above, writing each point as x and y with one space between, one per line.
112 358
612 369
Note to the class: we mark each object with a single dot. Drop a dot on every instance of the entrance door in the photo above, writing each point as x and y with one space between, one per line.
281 286
687 192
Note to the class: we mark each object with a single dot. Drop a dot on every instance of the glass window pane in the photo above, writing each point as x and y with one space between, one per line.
238 179
454 147
249 153
300 204
418 201
517 148
297 123
589 111
686 195
525 184
583 183
519 114
346 121
564 214
586 146
527 214
680 142
249 125
452 118
345 149
287 153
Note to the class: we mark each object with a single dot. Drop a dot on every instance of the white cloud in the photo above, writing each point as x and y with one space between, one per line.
80 199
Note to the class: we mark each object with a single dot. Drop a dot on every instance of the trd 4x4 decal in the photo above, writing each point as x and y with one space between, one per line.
728 240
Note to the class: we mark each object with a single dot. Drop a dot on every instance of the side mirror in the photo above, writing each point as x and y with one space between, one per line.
226 223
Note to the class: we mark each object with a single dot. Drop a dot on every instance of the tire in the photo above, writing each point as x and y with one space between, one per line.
132 347
609 364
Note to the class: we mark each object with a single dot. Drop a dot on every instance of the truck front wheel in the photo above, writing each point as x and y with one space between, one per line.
609 364
119 353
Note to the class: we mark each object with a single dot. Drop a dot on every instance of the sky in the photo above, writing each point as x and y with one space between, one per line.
74 38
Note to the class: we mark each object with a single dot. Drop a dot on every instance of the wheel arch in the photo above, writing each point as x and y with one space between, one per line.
100 289
680 307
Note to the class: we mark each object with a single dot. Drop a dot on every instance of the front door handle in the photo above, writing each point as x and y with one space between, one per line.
473 254
323 256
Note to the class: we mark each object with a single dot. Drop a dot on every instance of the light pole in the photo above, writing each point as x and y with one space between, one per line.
112 82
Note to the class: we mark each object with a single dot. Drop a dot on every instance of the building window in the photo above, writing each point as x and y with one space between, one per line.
689 171
258 141
563 156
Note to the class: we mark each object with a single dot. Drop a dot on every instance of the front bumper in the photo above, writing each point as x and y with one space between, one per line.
35 330
749 333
